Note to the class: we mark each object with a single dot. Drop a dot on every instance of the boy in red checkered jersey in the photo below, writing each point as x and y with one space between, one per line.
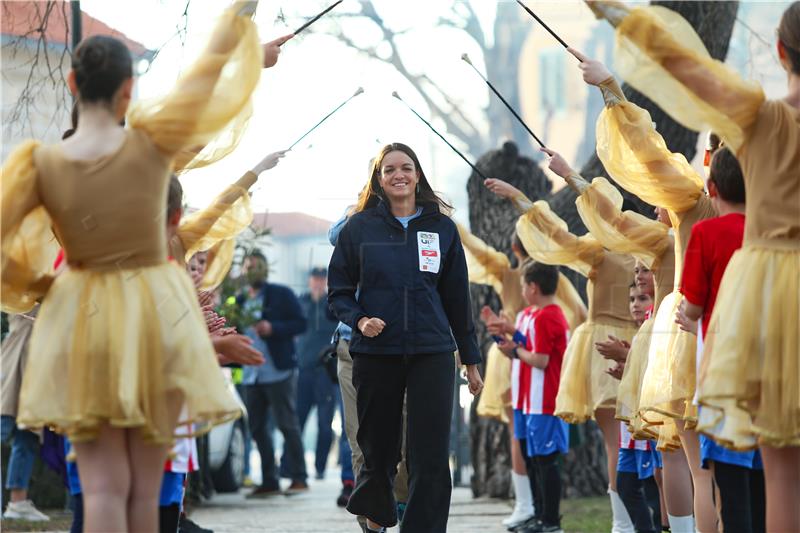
541 347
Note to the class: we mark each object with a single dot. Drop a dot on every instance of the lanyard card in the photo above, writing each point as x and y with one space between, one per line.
429 254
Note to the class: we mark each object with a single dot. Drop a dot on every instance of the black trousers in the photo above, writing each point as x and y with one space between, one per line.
548 476
76 503
742 498
168 518
278 399
533 479
641 500
381 382
653 496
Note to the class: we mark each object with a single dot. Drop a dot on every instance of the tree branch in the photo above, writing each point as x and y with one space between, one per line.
461 128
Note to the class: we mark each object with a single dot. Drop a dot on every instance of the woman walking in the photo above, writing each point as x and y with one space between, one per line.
398 277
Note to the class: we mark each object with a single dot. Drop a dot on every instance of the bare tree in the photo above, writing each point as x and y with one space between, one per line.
510 31
47 65
46 62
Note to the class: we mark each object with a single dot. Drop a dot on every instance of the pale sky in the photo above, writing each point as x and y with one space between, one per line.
324 173
315 73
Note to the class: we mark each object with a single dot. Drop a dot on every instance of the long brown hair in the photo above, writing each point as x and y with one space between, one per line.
372 193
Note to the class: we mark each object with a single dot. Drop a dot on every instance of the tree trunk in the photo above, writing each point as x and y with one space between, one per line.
491 219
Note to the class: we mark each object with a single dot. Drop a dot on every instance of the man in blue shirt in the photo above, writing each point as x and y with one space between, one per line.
274 383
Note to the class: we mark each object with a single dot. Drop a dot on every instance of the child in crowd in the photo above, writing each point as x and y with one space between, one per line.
638 459
738 476
544 330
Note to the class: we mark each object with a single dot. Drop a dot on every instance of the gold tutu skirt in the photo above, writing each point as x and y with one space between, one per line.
585 386
111 346
669 383
631 384
668 439
750 375
496 395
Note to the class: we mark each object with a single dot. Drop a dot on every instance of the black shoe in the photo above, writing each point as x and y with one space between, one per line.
541 527
344 496
264 492
187 526
530 523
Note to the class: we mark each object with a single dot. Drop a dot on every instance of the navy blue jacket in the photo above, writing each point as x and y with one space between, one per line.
281 309
425 312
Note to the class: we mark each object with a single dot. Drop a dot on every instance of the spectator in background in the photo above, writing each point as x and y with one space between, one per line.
25 444
274 383
315 388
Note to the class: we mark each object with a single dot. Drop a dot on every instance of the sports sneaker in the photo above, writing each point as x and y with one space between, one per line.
188 526
528 525
297 487
24 510
519 516
248 482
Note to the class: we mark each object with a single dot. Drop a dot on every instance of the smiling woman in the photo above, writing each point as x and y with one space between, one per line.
397 178
398 277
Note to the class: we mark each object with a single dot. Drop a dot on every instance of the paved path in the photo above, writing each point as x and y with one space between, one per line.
316 512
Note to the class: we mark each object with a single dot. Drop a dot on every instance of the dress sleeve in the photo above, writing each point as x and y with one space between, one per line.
211 99
570 302
660 54
218 264
636 156
227 216
26 241
624 232
522 203
547 239
485 265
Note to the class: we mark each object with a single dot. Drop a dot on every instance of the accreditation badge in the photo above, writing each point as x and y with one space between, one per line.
429 254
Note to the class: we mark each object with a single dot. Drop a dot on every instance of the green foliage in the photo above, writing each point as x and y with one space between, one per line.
586 515
60 520
240 316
